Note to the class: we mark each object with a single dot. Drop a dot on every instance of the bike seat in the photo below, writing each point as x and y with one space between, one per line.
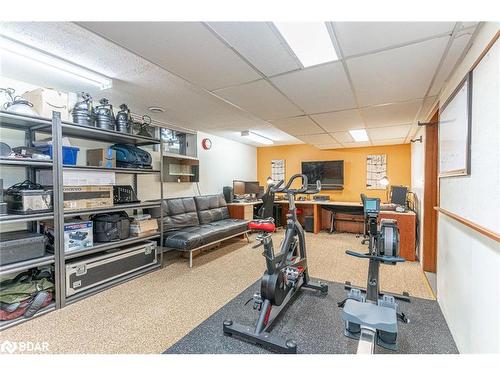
263 225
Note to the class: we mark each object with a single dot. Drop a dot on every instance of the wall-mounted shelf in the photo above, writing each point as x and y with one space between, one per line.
180 169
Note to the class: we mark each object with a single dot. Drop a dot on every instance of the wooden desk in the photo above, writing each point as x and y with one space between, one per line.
242 210
350 221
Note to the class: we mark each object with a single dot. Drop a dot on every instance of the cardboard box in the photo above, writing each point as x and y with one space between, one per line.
101 157
87 197
143 227
45 101
78 235
77 178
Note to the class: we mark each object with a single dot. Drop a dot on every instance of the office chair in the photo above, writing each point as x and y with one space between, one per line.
266 210
365 235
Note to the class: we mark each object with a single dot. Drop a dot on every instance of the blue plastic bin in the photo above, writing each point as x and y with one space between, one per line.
69 154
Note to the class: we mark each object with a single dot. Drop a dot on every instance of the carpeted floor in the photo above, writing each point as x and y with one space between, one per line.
151 313
314 322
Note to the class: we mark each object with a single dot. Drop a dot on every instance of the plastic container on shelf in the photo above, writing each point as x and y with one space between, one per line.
69 154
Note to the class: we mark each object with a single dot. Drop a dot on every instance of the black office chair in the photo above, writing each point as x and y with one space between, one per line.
266 210
365 235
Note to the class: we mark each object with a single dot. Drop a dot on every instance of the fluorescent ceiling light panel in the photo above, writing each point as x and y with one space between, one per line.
310 41
359 135
46 59
256 137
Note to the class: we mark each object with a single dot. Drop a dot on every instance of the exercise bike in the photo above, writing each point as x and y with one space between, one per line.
373 317
286 273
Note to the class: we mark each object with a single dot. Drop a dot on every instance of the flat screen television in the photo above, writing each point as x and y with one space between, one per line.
330 173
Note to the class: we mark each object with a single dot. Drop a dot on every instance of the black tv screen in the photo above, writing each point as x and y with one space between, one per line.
330 173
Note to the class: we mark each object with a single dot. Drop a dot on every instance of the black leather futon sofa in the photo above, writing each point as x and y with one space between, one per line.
192 223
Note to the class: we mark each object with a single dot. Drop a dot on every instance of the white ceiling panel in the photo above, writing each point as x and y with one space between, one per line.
322 88
398 74
341 120
328 146
300 125
388 132
356 144
386 142
362 37
188 49
259 44
317 139
342 137
451 59
276 135
261 99
391 114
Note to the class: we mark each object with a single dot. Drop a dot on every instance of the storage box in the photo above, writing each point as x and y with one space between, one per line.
143 227
21 245
92 271
69 154
78 235
101 157
77 178
23 202
87 197
45 101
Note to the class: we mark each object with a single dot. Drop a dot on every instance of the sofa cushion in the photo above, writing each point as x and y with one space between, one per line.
193 237
211 208
177 213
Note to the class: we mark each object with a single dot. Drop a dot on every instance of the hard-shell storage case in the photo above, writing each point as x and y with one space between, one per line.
21 245
92 271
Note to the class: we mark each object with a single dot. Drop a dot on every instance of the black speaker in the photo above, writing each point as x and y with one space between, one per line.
309 223
228 194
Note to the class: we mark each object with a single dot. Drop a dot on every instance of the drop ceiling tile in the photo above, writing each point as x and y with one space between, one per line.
452 58
317 139
259 44
261 99
300 125
362 37
356 144
188 49
341 120
388 132
328 146
386 142
317 89
391 114
342 137
398 74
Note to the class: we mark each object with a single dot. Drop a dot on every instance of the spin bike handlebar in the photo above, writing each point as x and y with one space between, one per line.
381 258
304 189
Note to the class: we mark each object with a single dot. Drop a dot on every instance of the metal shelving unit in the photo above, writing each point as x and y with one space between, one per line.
57 129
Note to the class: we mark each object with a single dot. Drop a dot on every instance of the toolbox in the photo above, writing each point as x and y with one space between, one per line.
87 197
21 245
92 271
28 198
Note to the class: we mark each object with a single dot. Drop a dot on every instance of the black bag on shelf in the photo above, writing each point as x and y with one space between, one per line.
110 227
130 156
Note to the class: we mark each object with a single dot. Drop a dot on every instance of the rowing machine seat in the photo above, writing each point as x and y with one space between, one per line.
262 225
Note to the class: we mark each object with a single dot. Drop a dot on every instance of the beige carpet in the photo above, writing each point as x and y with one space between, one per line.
150 313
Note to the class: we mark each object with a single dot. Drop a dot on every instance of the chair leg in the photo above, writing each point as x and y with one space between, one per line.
247 237
191 259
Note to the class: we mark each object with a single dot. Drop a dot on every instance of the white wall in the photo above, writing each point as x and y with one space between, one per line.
417 182
468 263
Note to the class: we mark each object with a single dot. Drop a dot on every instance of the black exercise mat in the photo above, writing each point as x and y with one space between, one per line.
315 323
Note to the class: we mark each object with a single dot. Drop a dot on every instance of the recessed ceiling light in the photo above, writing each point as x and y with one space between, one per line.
156 109
359 135
34 55
310 41
256 137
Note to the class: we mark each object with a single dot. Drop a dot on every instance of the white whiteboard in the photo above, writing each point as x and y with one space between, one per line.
454 133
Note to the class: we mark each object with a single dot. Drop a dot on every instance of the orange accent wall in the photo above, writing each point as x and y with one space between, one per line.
398 166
